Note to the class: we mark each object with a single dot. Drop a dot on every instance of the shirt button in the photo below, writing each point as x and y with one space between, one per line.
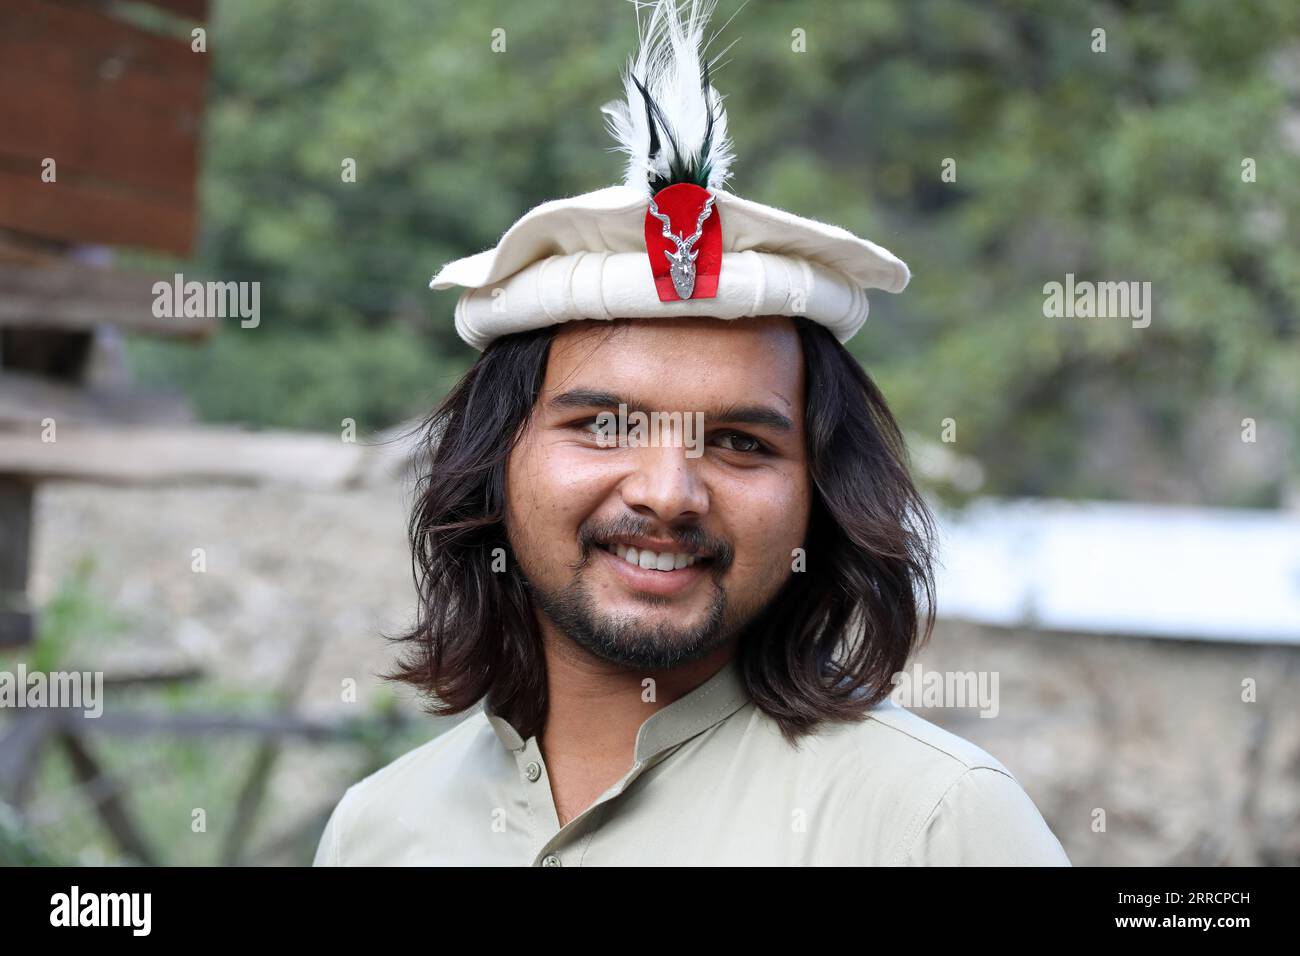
533 770
551 860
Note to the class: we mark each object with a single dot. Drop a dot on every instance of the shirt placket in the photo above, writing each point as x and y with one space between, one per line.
552 840
660 736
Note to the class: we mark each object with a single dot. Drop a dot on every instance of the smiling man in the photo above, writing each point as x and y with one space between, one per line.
676 650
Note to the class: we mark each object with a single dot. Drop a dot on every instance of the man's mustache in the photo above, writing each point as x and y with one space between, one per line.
693 539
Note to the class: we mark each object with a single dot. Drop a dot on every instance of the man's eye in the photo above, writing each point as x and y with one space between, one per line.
593 423
599 427
737 441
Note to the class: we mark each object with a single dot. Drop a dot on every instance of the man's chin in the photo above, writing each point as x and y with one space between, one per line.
649 649
646 638
640 630
655 615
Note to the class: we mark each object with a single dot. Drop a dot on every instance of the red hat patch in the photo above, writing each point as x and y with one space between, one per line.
683 236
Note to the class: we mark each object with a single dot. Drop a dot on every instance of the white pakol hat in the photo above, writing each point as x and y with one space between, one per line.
670 240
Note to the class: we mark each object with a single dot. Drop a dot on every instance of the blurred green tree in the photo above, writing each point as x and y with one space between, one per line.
1117 165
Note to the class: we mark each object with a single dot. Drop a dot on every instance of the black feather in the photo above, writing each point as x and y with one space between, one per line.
708 129
680 169
649 118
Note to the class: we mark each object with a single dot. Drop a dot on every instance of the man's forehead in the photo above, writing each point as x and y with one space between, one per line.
703 358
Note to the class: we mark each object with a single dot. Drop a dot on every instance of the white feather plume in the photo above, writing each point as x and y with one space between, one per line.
669 63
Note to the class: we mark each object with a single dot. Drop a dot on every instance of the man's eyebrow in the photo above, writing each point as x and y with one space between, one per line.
764 416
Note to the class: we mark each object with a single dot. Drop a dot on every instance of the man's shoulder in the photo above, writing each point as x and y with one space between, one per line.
429 760
910 736
384 817
422 773
932 795
889 736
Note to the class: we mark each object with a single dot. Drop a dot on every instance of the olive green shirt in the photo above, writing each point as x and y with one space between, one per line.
712 782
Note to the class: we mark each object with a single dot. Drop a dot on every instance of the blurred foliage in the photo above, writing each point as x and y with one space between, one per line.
1122 165
164 777
77 616
376 374
18 845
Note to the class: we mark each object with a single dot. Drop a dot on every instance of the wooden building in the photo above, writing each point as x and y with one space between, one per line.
100 126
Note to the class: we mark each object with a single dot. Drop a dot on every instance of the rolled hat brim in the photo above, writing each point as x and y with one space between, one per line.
584 257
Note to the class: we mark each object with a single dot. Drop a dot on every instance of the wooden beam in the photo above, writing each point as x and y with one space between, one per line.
18 249
153 456
26 400
144 724
257 783
16 622
71 296
108 797
21 747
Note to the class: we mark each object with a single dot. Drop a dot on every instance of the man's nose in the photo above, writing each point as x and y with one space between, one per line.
665 483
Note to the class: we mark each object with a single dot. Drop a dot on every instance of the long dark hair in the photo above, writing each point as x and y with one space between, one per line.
825 649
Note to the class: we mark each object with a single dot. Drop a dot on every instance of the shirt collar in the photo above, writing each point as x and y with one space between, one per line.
693 713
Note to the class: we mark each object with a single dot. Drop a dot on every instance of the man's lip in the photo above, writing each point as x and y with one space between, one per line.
651 544
650 581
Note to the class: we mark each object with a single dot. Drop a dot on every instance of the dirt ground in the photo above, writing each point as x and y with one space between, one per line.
1136 751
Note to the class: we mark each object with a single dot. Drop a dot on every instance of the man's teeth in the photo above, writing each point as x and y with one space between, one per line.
653 560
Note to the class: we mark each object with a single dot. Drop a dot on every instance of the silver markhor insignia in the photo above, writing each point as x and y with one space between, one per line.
682 262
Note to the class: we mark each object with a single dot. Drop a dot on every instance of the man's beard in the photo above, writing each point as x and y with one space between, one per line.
624 640
627 642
